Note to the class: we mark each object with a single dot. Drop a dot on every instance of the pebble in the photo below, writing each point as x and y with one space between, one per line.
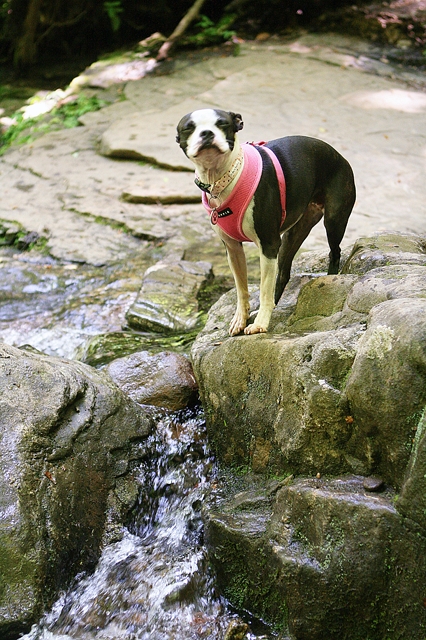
236 630
373 483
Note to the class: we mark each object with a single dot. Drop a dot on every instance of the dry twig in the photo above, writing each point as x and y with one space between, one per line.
180 30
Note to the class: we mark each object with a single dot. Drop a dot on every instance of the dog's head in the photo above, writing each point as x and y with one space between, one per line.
208 130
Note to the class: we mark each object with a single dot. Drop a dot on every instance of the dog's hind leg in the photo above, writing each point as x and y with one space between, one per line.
339 201
291 242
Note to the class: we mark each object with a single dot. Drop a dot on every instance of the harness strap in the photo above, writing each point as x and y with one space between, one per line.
280 178
230 215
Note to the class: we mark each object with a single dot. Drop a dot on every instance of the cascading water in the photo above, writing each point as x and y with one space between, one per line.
154 583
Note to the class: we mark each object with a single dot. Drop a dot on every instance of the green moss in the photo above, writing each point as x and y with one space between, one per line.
66 116
253 585
104 348
210 291
13 234
21 132
19 572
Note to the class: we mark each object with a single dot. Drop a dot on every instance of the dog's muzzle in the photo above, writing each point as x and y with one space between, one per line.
207 141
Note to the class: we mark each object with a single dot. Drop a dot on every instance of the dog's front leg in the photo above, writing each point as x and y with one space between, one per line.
237 264
268 276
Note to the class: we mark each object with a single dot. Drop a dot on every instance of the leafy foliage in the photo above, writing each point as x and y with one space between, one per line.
65 116
113 8
210 33
21 132
69 114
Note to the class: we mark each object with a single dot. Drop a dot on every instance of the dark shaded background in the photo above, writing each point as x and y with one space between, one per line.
35 30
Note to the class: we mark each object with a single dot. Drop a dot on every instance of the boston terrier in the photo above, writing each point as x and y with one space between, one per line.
269 193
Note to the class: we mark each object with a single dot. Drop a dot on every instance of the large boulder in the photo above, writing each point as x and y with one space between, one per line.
161 379
67 435
320 559
338 383
336 388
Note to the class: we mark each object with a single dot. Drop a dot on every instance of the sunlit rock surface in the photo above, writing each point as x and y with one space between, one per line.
168 299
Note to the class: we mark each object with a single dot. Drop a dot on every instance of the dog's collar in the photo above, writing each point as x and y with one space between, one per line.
202 185
218 186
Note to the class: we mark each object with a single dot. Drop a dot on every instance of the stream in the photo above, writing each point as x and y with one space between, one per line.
155 583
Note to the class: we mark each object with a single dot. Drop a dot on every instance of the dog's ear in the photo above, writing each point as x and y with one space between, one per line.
237 120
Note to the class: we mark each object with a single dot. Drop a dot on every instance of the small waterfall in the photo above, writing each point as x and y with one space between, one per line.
154 583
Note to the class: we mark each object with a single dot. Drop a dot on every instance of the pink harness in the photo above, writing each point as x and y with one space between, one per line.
230 216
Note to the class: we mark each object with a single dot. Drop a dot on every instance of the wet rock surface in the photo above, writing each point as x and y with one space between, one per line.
57 306
66 433
168 299
164 379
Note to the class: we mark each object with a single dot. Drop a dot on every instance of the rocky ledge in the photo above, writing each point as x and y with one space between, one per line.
330 403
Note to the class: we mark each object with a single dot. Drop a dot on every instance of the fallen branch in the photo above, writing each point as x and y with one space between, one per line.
180 30
56 25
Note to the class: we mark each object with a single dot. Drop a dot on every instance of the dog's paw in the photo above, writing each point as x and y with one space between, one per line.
254 328
238 324
237 328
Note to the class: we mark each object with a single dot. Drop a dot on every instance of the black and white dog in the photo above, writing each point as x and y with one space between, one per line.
318 180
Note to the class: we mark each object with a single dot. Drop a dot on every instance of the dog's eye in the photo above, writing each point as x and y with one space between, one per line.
188 129
222 123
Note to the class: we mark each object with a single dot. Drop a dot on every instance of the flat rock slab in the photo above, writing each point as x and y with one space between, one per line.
190 76
70 157
35 203
151 138
81 202
167 301
375 121
173 187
